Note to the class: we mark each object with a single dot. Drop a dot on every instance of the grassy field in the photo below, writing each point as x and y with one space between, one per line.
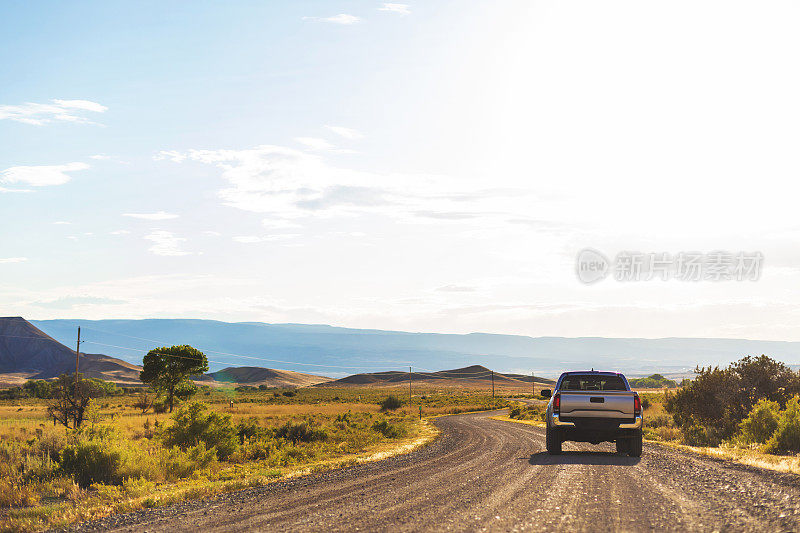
123 459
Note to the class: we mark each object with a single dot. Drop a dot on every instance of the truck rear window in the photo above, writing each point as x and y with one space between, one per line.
593 383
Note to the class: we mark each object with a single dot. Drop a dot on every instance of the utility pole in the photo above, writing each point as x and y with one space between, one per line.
409 385
77 353
492 383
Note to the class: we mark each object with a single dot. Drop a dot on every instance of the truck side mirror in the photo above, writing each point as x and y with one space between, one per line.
546 393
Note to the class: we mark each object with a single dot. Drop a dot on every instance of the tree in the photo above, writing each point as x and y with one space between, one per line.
38 388
719 399
169 371
68 408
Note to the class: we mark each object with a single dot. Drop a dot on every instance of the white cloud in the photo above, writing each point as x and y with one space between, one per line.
290 184
119 232
13 260
166 243
212 233
171 155
161 215
100 157
4 189
401 9
40 176
315 143
347 133
57 111
61 223
341 18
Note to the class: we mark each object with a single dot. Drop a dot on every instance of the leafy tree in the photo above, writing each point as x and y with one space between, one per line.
761 423
655 381
38 388
169 371
787 435
719 399
69 408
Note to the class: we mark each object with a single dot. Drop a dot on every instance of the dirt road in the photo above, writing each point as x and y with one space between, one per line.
484 474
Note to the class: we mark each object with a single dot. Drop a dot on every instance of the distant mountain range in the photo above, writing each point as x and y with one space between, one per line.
340 352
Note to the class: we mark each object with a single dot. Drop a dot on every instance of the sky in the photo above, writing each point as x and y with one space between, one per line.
433 166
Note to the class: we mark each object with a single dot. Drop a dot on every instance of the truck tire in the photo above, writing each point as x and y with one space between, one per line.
553 441
623 445
636 445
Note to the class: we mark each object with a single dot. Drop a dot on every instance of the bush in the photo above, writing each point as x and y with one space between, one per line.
390 403
247 429
289 393
94 461
697 435
655 381
301 432
761 423
720 399
787 435
389 430
194 424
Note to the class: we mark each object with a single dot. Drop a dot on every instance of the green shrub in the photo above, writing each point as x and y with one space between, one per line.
301 432
761 423
389 430
177 464
194 424
94 461
720 399
787 435
247 429
289 393
390 403
697 435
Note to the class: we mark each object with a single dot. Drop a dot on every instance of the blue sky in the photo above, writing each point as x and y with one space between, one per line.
432 166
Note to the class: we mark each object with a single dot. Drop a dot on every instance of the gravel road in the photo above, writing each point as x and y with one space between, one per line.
484 474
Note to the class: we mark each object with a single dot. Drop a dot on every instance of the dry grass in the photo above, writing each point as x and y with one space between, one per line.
36 494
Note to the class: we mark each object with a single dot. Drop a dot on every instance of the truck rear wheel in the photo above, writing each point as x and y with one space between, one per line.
636 445
553 441
623 445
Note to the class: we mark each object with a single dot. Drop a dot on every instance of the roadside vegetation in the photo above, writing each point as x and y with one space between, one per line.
127 453
748 412
653 381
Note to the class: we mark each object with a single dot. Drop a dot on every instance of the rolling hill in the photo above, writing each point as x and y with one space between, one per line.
474 375
26 352
339 352
255 376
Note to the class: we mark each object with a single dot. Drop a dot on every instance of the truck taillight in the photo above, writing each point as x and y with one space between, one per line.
637 405
557 403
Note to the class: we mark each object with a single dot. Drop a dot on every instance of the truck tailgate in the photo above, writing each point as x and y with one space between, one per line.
599 404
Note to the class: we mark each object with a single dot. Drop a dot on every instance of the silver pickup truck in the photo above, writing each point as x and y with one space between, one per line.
594 407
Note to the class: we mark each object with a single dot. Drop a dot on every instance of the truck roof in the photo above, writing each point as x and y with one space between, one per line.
601 372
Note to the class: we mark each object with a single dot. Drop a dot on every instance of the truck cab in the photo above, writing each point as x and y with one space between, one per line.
595 407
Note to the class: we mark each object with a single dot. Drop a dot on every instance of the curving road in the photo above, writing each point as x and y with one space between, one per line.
489 475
